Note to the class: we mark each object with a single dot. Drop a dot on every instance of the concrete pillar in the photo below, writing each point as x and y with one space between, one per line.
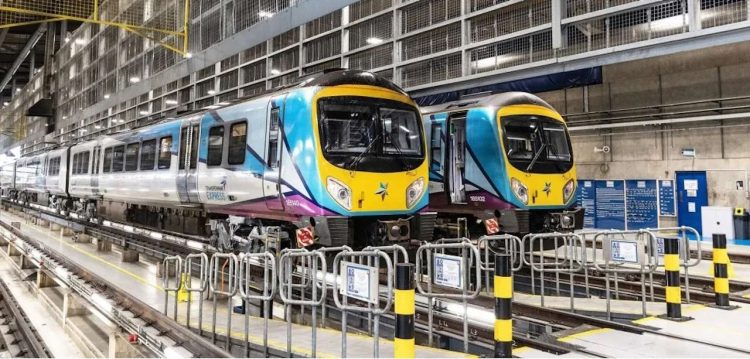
13 251
26 263
54 227
44 280
129 255
66 232
42 223
82 238
160 270
72 306
103 246
119 347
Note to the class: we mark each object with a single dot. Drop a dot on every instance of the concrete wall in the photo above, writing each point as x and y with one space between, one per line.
655 151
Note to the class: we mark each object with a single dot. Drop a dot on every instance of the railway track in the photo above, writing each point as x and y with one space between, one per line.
18 336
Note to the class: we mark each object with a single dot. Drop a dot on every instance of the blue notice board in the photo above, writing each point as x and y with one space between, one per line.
666 198
610 204
642 204
586 198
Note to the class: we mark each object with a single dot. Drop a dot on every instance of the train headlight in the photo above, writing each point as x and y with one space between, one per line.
414 192
569 190
520 190
340 193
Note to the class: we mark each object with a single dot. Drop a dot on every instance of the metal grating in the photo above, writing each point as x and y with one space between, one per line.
322 66
323 47
373 58
371 32
438 69
430 42
581 7
366 8
323 24
508 20
510 53
722 12
428 12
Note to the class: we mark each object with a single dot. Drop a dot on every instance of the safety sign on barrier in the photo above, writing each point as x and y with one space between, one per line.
624 251
360 282
448 270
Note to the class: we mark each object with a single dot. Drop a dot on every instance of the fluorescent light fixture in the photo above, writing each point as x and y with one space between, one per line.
67 39
212 92
6 103
265 14
211 107
106 96
18 89
97 126
84 130
171 102
494 61
81 41
374 40
143 112
189 55
275 72
135 79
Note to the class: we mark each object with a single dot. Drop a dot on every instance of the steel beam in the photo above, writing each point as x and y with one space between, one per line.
22 55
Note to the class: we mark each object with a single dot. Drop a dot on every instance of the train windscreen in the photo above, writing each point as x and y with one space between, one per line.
372 135
537 144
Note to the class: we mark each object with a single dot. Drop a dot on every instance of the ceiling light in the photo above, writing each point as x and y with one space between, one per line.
275 72
171 102
374 41
143 112
265 14
212 92
97 126
81 41
106 96
6 103
134 79
189 55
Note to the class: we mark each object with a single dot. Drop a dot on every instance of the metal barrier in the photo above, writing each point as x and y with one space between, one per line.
686 260
231 261
393 250
267 261
324 309
449 271
188 285
511 246
167 284
622 256
573 260
312 263
362 282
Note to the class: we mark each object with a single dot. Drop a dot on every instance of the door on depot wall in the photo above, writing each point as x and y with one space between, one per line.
692 194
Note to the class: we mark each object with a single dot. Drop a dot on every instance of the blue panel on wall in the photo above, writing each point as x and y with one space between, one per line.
642 209
586 198
610 204
666 198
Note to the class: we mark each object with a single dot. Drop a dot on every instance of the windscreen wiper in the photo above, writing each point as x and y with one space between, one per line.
536 157
356 160
400 156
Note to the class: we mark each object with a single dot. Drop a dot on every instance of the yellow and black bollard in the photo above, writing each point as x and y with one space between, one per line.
672 273
721 271
503 299
403 343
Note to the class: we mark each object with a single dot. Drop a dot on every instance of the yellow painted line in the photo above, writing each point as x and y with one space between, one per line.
644 320
587 333
101 260
693 308
746 295
520 350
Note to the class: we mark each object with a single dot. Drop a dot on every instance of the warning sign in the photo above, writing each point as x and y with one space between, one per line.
448 271
305 237
492 226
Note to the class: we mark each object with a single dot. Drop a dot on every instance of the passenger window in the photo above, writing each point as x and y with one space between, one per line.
436 143
84 163
118 155
183 147
165 152
148 155
131 157
74 170
215 146
273 140
237 143
107 160
194 147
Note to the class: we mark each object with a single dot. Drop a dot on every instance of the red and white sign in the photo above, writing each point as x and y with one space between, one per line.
305 237
492 226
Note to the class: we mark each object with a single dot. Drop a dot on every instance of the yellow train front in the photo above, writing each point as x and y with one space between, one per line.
503 161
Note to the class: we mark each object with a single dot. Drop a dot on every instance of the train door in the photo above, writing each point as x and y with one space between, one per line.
437 147
95 164
456 157
272 173
187 176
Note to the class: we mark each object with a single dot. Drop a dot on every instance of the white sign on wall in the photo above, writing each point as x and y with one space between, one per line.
448 270
624 251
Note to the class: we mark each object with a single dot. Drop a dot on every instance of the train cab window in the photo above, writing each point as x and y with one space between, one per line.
118 157
165 152
148 155
237 143
215 146
107 160
131 157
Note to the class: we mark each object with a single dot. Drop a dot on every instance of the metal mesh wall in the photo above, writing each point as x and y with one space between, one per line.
417 43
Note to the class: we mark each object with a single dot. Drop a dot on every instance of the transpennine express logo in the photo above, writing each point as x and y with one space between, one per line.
547 188
382 190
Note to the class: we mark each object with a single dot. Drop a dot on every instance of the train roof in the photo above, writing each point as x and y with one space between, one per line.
488 100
